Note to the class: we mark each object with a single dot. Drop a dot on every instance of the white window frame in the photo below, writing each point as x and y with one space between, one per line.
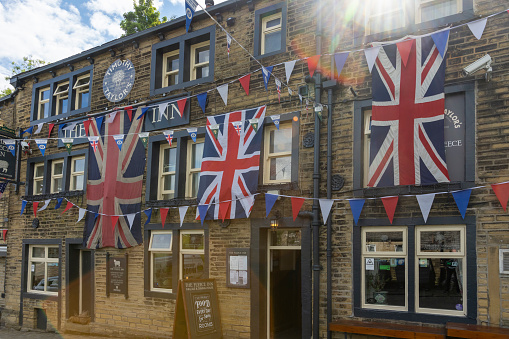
167 73
44 260
265 30
366 141
60 94
75 173
389 10
419 4
158 250
160 187
57 176
83 88
41 102
459 254
267 156
188 251
37 179
190 171
195 65
384 254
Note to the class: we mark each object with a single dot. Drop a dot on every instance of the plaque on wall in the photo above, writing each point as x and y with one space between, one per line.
237 267
116 275
118 80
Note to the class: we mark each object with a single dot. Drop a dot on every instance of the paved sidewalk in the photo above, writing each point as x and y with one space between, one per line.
8 333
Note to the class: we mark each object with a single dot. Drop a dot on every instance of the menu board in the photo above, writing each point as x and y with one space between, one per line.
197 310
237 273
116 275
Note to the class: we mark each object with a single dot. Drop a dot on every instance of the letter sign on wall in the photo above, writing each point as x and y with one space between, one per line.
118 80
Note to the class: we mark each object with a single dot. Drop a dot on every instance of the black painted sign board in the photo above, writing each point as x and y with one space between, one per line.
116 275
197 310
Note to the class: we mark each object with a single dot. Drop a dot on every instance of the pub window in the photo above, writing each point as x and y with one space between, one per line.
270 30
271 33
167 171
192 255
427 10
82 88
57 175
278 154
38 181
161 261
171 68
43 103
384 16
200 54
194 158
62 98
77 173
43 272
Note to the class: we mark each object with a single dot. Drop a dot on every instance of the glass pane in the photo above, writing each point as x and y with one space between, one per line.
438 9
202 72
173 79
77 183
58 168
195 177
38 186
161 241
52 277
37 252
384 242
45 94
440 241
196 155
57 184
39 171
172 63
169 182
193 266
37 281
440 283
62 106
45 109
281 168
273 22
385 282
168 196
162 270
79 165
386 22
83 81
280 141
83 100
169 160
192 241
202 54
52 252
285 238
272 42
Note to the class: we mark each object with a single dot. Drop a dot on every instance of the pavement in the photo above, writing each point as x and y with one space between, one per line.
9 333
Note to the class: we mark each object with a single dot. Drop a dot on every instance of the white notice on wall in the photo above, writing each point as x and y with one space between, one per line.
370 264
234 262
234 277
243 262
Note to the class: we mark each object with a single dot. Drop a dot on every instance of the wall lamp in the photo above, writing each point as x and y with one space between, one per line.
112 52
91 60
71 67
53 74
35 79
219 17
250 5
136 44
230 21
160 36
274 222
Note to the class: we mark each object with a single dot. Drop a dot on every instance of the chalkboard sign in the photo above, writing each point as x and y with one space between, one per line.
116 275
237 273
197 310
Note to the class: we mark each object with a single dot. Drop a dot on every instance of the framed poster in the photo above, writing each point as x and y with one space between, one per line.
237 267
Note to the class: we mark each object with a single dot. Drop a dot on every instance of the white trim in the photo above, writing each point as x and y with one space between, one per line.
166 73
366 145
194 65
265 30
501 260
75 173
61 94
189 170
267 155
37 179
161 174
182 251
419 4
56 176
159 250
81 89
41 102
45 260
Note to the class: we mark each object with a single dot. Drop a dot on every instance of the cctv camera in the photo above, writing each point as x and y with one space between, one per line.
482 63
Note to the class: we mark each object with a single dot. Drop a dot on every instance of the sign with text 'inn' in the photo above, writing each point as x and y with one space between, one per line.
166 115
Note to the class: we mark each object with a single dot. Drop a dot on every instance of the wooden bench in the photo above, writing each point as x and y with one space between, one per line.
457 330
387 329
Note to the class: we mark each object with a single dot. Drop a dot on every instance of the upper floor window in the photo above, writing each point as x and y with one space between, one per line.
171 68
270 30
167 171
62 98
428 10
194 157
200 60
43 110
384 16
57 174
82 91
43 272
278 154
38 181
77 173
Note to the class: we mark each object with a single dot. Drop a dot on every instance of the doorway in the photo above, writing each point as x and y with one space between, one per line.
80 280
284 303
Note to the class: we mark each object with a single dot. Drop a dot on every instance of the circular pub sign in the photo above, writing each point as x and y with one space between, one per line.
118 80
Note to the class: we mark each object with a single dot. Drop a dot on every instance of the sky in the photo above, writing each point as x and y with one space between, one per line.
52 30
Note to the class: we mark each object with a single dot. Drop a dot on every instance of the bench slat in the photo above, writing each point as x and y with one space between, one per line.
470 331
387 329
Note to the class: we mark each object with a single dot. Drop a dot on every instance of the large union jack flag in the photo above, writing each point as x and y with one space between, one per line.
114 185
230 164
407 126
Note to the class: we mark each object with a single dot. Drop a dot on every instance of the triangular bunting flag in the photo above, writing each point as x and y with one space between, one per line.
23 205
119 140
130 219
202 211
223 209
35 205
4 234
42 143
39 128
390 206
148 213
254 124
99 122
161 109
404 48
182 106
270 200
237 125
94 142
68 207
46 203
11 146
202 100
192 133
68 144
440 39
371 55
60 127
190 8
477 27
81 214
275 119
111 117
425 201
50 128
244 81
289 65
461 198
169 136
313 63
86 124
214 129
182 213
325 207
114 220
59 203
163 213
502 193
144 138
129 111
70 126
356 207
29 130
266 72
223 92
143 111
340 59
296 205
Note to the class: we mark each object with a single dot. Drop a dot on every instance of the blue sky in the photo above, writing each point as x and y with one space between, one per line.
55 29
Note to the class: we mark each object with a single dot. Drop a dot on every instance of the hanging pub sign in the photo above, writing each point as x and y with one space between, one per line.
116 275
7 159
454 135
197 310
118 80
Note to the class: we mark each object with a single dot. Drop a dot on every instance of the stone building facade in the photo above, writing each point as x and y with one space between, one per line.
304 274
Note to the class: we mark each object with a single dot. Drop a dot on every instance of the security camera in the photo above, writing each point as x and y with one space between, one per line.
482 63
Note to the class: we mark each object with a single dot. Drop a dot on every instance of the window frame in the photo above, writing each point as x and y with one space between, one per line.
151 253
79 89
419 4
75 173
267 156
183 252
166 73
368 16
194 66
61 95
41 101
266 30
161 174
57 176
258 33
36 179
190 171
34 294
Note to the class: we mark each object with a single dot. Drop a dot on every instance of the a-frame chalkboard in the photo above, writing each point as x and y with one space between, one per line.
197 310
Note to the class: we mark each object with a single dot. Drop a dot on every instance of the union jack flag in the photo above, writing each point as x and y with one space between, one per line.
230 164
114 185
407 126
